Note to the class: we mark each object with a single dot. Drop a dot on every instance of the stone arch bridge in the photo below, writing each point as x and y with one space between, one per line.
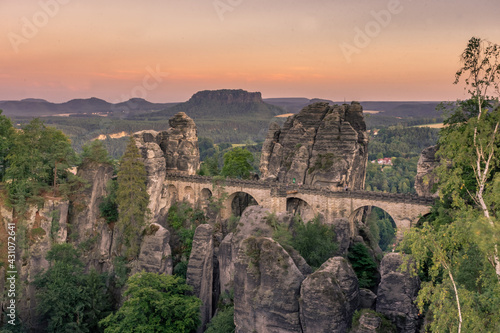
405 209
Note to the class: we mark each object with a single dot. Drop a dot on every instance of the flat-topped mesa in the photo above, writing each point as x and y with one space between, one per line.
322 145
227 96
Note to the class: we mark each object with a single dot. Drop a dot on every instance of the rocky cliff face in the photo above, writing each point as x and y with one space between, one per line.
252 222
42 228
329 297
86 226
322 145
173 150
200 270
266 289
85 215
178 145
155 254
425 179
78 222
397 293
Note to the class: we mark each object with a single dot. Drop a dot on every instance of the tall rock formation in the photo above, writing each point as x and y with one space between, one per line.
173 150
266 288
252 222
425 179
397 293
42 228
323 145
329 297
200 270
85 217
86 226
155 254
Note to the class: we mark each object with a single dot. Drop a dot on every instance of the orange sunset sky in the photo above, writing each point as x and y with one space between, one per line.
166 50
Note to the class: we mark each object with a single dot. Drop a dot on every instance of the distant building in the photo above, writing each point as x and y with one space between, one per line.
383 161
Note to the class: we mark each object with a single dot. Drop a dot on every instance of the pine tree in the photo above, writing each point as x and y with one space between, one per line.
6 137
39 158
132 198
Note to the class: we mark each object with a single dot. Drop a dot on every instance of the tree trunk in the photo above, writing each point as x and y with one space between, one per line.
55 178
486 213
458 301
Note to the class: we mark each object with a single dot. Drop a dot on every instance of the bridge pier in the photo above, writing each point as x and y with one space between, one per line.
402 226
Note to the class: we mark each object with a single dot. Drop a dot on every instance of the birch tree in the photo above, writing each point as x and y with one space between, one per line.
481 72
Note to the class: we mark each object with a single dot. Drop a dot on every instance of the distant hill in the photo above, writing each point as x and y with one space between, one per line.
32 107
220 104
403 109
388 109
294 104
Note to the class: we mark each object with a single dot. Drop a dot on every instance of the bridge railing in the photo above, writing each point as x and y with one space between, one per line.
283 190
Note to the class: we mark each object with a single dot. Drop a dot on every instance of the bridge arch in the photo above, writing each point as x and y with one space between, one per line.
171 194
299 206
384 223
423 218
204 199
188 195
237 202
401 219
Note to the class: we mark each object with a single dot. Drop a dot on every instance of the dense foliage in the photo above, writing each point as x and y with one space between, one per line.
109 206
403 145
363 265
401 141
314 240
456 248
69 300
38 161
230 159
396 178
155 303
132 198
382 228
6 137
237 163
182 221
222 322
95 152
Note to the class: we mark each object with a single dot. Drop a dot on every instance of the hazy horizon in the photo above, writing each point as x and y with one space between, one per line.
164 52
263 97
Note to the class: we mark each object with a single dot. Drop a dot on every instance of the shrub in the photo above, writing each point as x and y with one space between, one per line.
363 264
155 303
223 322
386 326
69 299
315 241
108 207
183 221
